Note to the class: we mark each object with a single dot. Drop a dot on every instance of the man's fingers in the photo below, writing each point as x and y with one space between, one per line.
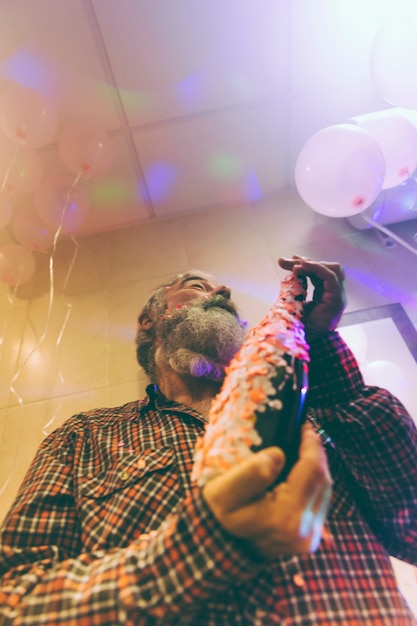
324 311
324 270
244 482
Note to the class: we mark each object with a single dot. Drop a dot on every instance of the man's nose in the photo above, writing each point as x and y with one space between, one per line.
222 290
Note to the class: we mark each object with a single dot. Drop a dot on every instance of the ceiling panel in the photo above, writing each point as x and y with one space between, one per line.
175 58
235 155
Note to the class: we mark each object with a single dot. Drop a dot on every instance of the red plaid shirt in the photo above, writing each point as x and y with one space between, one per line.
107 529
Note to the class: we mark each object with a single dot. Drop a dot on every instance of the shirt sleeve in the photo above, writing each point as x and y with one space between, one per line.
47 578
375 439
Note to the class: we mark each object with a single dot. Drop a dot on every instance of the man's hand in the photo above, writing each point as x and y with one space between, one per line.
284 521
323 313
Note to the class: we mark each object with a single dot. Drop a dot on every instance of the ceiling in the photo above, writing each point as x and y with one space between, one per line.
203 102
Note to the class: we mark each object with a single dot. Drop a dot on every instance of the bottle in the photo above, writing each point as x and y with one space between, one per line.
262 399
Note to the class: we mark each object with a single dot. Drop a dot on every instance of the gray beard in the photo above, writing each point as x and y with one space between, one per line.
200 339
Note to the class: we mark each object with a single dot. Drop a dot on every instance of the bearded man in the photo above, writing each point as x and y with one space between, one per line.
188 333
108 527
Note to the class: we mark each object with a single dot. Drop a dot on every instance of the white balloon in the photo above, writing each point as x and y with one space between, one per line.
30 230
17 264
22 168
340 170
394 60
6 207
397 139
27 116
60 203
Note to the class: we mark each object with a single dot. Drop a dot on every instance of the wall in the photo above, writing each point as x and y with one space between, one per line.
93 362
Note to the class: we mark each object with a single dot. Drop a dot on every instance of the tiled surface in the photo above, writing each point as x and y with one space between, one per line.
51 362
13 318
23 427
79 334
213 236
244 158
146 251
88 359
253 280
124 304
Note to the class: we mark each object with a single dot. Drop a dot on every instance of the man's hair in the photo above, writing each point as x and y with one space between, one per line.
145 338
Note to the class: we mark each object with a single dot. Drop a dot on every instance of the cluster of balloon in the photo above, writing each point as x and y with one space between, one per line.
342 169
28 121
39 207
48 204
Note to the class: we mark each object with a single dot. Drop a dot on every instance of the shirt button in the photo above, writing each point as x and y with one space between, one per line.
125 475
298 580
260 616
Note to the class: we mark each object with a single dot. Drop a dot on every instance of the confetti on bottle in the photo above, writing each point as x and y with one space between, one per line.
262 397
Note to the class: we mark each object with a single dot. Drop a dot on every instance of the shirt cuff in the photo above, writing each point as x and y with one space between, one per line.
334 374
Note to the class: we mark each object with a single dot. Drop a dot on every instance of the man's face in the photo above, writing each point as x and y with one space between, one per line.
200 331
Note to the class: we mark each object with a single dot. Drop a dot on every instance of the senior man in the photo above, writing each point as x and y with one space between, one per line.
108 528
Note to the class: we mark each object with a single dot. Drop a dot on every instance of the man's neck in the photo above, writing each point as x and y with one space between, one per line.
196 393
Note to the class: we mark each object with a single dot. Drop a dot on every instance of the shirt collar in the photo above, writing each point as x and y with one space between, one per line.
158 402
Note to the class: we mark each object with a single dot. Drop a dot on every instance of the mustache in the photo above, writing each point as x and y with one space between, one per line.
220 302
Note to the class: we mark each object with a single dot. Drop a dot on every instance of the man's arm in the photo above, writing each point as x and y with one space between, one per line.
375 438
49 578
373 433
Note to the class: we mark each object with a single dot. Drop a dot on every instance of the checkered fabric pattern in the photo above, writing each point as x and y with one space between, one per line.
107 529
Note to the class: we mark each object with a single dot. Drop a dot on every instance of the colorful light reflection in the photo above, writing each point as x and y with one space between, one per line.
27 68
161 178
225 166
109 194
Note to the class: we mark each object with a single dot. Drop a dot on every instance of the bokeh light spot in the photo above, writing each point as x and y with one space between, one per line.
160 178
108 193
28 69
225 166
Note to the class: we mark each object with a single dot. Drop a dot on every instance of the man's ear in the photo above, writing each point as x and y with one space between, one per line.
144 321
